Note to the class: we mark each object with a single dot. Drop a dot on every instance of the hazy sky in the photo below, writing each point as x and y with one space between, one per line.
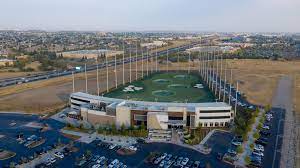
142 15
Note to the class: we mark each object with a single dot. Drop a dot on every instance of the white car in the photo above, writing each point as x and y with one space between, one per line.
162 164
132 148
266 127
185 161
51 160
258 153
96 166
112 146
164 156
259 148
236 143
59 155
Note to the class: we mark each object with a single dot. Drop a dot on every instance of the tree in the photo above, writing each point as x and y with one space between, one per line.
122 127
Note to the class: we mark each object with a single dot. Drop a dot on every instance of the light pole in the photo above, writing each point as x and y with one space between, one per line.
107 89
220 87
168 60
123 63
73 79
98 90
217 75
116 72
142 62
229 97
136 61
86 88
225 69
147 56
189 63
236 97
156 59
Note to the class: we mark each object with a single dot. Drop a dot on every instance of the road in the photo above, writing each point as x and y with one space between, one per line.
283 102
53 74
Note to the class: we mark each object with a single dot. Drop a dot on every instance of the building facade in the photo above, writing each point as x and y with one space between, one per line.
154 115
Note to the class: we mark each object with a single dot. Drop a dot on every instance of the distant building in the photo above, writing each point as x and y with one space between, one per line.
154 44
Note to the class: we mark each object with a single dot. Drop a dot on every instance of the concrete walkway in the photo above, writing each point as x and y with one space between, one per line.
88 138
246 144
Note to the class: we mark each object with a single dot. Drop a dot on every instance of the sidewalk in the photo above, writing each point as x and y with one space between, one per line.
246 145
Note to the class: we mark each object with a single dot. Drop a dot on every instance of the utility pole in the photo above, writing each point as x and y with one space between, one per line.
130 64
217 75
156 59
213 69
236 97
73 79
168 60
98 90
189 63
207 69
147 56
116 72
178 58
86 88
107 89
142 62
199 60
225 69
123 63
229 97
221 61
136 61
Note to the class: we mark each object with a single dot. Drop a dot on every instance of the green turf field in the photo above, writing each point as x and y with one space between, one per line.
166 87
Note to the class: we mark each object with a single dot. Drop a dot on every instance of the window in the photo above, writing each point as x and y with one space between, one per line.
138 117
175 118
214 117
211 124
216 124
214 111
86 101
75 104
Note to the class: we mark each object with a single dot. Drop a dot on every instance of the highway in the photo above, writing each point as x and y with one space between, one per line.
53 74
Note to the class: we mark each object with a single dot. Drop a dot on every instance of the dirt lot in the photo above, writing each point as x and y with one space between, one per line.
258 78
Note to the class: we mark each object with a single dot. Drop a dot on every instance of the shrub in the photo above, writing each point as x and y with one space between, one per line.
239 149
252 146
256 135
247 160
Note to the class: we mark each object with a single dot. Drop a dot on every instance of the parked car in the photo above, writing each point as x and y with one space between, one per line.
258 153
185 161
261 142
236 143
196 164
59 155
259 147
219 156
265 133
266 127
231 151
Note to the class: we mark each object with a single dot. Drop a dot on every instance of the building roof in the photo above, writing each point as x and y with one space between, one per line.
146 105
